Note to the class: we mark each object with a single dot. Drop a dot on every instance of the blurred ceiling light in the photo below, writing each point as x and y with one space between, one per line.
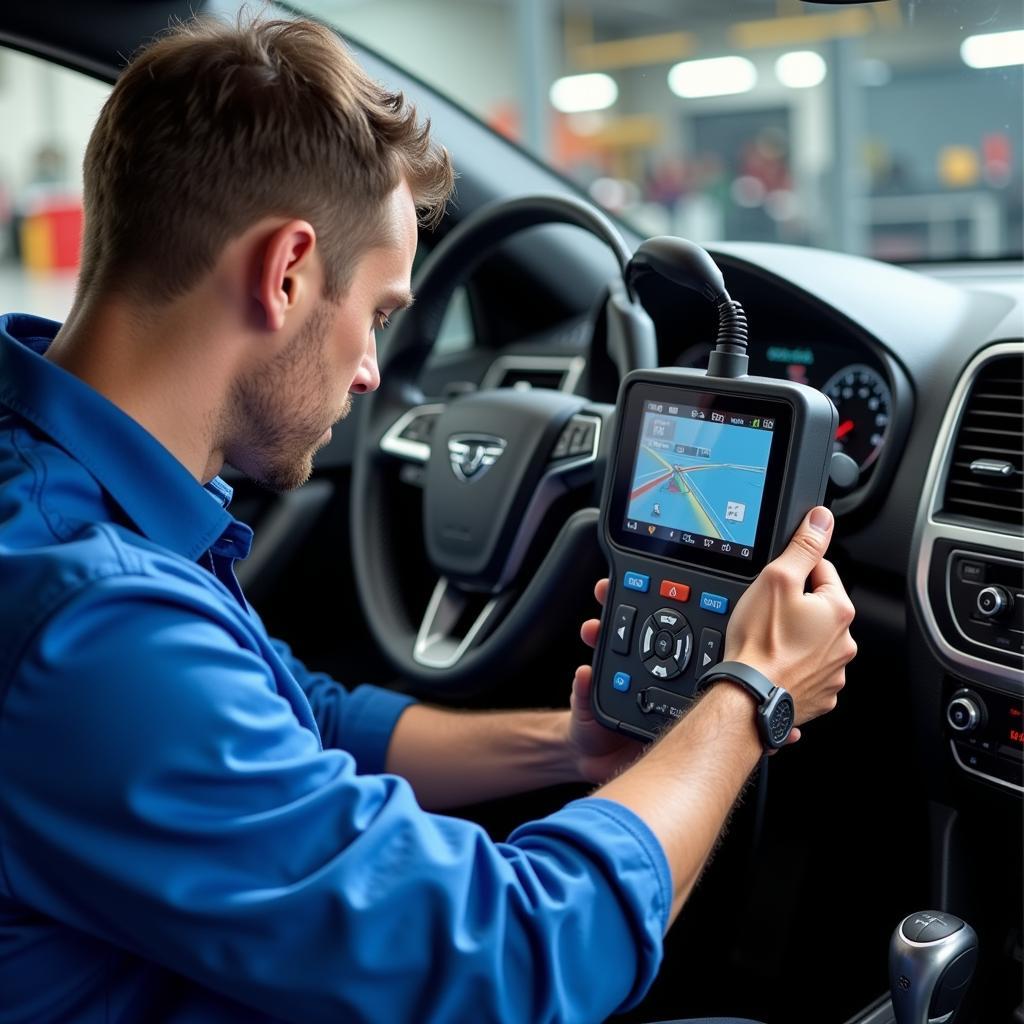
575 94
874 72
716 76
801 69
994 49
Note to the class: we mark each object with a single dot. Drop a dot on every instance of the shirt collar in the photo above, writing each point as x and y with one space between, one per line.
157 493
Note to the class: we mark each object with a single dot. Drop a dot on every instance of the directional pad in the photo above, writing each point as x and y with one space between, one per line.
666 642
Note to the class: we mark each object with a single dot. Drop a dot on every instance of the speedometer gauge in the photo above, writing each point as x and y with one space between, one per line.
865 405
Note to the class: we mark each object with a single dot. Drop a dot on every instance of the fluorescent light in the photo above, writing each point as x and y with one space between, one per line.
994 49
801 69
717 76
577 93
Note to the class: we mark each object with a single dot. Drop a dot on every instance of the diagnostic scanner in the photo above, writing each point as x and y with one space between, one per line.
710 473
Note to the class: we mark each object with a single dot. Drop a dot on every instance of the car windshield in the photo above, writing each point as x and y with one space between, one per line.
890 129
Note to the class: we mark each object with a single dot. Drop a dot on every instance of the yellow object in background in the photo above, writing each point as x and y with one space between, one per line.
959 166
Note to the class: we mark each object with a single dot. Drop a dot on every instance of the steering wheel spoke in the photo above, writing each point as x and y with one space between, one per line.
453 623
410 436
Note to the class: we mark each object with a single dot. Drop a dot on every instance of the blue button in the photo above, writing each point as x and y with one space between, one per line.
621 681
636 581
714 603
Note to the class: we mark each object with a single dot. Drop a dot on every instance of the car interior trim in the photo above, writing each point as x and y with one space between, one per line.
1005 783
929 529
435 647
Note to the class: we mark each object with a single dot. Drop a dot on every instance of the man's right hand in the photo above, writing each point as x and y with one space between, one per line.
799 640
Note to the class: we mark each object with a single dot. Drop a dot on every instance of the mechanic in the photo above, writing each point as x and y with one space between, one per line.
193 825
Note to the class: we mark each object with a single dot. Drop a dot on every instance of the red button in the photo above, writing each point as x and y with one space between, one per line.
674 591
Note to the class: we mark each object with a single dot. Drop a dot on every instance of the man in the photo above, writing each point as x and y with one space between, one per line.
193 826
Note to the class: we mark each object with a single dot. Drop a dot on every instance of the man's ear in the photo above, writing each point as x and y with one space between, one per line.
286 271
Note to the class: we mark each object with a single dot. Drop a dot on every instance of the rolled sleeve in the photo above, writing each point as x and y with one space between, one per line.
183 813
359 721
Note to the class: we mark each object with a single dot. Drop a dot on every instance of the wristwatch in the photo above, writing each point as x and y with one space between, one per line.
775 712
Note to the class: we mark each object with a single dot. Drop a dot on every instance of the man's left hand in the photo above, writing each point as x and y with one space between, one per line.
598 752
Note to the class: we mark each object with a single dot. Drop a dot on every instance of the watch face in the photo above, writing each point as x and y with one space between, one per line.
780 720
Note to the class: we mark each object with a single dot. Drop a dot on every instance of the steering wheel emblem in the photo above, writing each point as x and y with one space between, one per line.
471 455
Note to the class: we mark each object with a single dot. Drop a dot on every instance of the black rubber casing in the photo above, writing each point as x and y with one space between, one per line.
650 703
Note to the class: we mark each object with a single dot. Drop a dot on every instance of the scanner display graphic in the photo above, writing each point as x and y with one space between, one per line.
696 477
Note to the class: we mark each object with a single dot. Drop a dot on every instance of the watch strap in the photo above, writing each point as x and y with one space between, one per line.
749 678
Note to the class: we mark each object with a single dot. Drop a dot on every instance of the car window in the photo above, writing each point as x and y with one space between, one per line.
891 129
47 113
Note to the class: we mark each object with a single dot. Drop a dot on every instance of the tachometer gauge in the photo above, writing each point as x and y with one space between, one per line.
865 405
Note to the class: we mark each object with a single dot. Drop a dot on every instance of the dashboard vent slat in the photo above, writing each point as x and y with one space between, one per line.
991 427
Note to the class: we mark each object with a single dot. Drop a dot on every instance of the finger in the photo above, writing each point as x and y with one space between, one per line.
601 591
824 575
809 544
581 694
589 631
794 735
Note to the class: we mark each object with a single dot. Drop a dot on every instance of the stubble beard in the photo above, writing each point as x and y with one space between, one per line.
283 410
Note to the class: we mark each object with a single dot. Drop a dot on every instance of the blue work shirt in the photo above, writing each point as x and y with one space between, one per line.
194 827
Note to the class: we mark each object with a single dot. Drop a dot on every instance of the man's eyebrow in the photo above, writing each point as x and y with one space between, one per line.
398 300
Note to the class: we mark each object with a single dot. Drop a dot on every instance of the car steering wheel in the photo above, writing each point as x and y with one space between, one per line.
492 463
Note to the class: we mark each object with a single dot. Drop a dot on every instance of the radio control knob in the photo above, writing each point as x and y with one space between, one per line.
964 713
994 602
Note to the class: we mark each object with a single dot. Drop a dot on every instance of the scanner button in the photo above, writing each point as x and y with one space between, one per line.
636 581
622 628
714 603
621 681
662 668
674 591
663 644
710 651
666 618
647 643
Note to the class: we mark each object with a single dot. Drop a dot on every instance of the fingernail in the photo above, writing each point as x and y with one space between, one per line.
821 519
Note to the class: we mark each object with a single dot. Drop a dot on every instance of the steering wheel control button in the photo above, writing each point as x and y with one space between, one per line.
674 591
636 581
710 649
622 628
621 681
714 603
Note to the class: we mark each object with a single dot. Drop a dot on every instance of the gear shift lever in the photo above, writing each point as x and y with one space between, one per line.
931 963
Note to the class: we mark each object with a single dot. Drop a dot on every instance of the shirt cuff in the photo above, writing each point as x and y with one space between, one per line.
635 867
371 714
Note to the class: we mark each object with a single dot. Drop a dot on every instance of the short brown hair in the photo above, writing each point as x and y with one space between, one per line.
216 125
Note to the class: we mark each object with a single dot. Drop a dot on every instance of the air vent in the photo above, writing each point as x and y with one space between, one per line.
986 475
560 373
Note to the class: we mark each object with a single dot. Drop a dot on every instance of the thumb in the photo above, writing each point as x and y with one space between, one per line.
809 543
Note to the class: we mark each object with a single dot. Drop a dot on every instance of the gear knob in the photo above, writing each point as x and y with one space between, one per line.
931 962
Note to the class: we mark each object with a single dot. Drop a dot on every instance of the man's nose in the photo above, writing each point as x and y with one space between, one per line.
368 376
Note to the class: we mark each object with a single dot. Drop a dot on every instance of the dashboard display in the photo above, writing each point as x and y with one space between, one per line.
859 391
699 476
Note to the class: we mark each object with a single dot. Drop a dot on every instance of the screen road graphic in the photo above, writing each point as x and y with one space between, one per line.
717 494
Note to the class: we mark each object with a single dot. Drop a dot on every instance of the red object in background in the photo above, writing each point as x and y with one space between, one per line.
65 235
996 158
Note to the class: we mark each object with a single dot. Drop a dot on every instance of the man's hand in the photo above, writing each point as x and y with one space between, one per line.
598 752
798 640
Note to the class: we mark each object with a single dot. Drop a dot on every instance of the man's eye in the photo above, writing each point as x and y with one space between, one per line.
381 320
